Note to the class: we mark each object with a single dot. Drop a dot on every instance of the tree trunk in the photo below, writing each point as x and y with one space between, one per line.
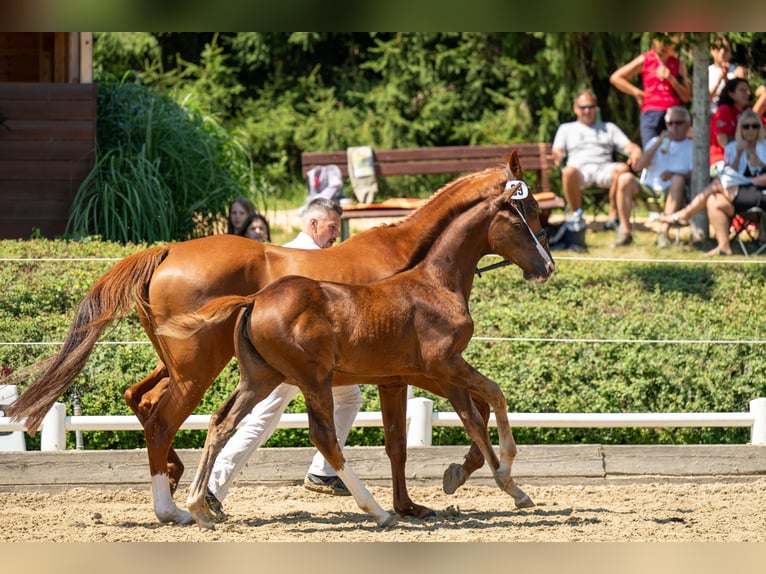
700 228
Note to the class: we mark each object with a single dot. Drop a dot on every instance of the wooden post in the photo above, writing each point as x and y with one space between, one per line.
700 227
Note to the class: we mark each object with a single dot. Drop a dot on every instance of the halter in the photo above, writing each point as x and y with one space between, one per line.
521 191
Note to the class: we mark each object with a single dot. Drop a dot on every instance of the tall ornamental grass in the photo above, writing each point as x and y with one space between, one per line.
163 171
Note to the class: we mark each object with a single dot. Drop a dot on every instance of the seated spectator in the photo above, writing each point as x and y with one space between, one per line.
737 188
721 70
665 84
734 100
239 210
589 147
257 227
667 165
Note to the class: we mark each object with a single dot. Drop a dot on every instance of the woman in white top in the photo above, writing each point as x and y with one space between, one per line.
738 187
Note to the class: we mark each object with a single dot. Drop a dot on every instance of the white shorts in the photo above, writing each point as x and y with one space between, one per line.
596 174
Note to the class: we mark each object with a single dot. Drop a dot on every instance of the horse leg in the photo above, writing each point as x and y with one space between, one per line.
393 407
247 394
142 399
319 404
463 376
456 474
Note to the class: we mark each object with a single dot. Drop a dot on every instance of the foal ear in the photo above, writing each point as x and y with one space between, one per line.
515 165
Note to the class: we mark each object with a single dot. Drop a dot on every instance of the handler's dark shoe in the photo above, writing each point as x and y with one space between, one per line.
326 485
215 506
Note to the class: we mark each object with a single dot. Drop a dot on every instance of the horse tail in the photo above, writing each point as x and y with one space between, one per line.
109 299
214 312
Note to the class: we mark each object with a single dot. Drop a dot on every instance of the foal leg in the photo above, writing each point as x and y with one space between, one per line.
319 404
463 376
393 407
247 394
456 474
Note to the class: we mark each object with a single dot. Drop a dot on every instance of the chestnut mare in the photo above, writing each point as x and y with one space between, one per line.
299 330
180 278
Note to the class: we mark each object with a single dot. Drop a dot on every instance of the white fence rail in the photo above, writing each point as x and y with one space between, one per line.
421 420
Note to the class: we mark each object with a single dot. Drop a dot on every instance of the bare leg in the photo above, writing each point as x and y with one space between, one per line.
627 189
617 171
675 198
571 182
697 204
720 211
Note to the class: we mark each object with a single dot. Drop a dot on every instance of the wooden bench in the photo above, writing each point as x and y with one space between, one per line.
536 158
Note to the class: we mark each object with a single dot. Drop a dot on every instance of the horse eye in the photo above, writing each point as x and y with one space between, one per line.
517 226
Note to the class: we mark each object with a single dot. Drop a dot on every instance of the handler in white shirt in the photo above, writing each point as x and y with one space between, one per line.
320 229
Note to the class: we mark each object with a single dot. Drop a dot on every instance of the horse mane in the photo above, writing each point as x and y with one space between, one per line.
454 202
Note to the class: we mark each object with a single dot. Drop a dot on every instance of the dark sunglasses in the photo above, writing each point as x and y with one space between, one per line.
587 107
676 123
750 126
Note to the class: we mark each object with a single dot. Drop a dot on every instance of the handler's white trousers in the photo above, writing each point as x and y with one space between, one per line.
262 423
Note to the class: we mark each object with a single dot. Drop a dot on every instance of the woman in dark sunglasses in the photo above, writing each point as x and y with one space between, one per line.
738 187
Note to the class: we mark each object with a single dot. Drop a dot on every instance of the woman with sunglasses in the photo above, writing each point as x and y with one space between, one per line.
734 100
738 187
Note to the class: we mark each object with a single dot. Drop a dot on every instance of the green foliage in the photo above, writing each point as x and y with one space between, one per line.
163 171
283 93
564 372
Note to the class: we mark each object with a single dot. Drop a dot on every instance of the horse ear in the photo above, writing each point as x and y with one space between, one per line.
515 165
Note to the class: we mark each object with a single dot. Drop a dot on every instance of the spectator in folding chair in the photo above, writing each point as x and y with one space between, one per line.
738 187
666 167
589 145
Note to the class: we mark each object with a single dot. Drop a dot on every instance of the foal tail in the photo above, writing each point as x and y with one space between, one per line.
214 312
109 299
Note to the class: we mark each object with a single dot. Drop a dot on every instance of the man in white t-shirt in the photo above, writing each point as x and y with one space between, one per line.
589 147
320 227
667 165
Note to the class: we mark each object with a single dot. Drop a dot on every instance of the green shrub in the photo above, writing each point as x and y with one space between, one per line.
163 171
534 340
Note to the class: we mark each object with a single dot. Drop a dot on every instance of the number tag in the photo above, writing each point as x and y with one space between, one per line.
521 192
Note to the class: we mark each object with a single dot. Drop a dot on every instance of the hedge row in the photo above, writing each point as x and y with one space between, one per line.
596 301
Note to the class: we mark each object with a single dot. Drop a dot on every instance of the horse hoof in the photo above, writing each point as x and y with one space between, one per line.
453 478
388 521
177 517
524 502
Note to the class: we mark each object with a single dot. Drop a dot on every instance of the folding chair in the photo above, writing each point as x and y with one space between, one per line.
748 227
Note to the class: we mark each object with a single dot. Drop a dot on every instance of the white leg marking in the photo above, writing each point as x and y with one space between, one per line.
364 499
164 507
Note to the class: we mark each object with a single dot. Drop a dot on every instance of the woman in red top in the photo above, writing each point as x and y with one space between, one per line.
734 99
665 84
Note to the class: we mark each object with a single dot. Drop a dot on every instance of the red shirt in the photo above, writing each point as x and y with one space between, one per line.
724 121
659 94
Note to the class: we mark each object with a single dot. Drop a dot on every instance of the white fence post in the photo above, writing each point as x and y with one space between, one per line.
53 433
420 410
758 410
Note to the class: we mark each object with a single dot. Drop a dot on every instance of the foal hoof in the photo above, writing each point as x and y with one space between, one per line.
453 478
524 502
388 521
